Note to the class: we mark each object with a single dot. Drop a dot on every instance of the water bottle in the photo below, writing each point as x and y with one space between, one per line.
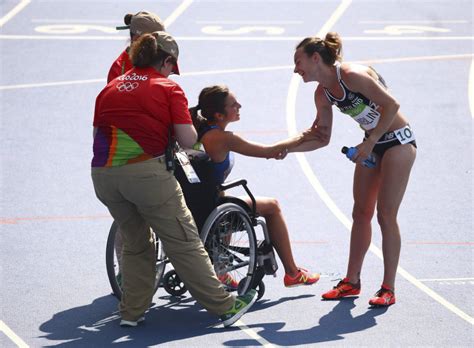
369 162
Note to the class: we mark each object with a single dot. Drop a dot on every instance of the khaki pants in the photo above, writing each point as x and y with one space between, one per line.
145 194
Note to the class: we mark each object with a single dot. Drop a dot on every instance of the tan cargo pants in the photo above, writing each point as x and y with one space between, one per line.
146 194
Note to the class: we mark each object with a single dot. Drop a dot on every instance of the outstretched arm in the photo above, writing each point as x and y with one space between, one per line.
319 134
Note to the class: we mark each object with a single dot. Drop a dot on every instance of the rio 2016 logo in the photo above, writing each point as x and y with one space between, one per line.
127 86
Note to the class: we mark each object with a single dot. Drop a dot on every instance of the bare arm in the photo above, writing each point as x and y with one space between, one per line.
185 135
319 134
248 148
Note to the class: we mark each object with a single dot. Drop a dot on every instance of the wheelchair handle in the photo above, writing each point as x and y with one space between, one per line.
243 183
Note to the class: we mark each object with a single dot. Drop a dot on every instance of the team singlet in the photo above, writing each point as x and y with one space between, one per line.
360 108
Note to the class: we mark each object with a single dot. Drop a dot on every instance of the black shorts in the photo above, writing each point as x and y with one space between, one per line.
387 141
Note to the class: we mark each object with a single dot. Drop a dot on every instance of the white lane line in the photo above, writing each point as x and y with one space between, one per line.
292 130
454 21
445 280
250 70
75 20
12 336
14 11
249 22
241 325
177 12
470 89
237 38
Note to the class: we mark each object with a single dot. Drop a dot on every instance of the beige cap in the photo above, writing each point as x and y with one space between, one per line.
168 44
142 22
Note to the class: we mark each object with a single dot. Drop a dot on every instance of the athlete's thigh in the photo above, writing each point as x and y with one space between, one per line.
265 205
365 188
395 172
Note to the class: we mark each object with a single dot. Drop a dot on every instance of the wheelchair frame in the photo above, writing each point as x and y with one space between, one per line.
261 258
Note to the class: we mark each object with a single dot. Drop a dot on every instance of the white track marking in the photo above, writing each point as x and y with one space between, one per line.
249 70
237 38
292 129
177 12
445 280
452 21
241 325
12 336
13 12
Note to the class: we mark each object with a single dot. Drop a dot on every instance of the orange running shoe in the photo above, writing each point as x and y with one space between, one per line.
342 289
228 281
383 298
302 278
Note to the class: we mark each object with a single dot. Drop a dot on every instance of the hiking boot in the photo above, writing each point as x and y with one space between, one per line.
383 298
239 308
228 281
302 278
342 289
131 323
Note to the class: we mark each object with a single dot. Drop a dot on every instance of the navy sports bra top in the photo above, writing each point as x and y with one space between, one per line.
221 169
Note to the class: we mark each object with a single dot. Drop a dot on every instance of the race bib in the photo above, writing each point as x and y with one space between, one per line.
405 134
187 167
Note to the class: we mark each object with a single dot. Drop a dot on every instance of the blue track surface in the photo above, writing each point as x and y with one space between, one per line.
55 56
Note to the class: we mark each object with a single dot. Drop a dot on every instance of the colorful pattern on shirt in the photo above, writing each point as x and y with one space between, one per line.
133 116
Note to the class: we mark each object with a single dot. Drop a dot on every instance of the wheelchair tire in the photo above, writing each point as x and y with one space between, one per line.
112 264
173 284
229 238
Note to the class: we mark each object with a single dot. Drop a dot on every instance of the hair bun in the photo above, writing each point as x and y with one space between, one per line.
128 18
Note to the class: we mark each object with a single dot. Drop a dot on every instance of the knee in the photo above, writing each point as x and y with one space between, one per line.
271 207
386 218
362 215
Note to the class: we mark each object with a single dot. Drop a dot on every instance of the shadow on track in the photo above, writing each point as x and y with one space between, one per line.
331 327
97 324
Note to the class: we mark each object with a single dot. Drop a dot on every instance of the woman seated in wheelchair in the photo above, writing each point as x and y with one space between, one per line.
217 107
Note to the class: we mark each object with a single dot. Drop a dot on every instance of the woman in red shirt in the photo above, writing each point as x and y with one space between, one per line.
134 115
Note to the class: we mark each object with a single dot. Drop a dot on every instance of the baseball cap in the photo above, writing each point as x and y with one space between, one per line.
142 22
168 44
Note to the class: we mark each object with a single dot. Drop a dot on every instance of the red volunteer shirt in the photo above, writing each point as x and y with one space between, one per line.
134 114
121 65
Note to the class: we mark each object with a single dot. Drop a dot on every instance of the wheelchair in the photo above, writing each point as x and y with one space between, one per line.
227 227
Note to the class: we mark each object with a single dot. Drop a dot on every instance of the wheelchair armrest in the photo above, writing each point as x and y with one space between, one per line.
235 183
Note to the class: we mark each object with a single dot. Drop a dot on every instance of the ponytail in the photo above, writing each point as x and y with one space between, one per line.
330 49
146 52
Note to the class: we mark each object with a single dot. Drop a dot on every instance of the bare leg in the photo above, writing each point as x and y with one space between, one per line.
270 210
396 166
365 189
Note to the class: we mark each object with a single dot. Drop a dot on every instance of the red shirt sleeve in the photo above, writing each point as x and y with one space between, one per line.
179 106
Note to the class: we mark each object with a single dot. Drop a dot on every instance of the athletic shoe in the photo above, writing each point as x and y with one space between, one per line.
131 323
239 308
342 289
383 298
228 281
302 278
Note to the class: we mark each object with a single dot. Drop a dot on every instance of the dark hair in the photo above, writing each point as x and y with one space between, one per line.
127 20
145 52
211 101
330 49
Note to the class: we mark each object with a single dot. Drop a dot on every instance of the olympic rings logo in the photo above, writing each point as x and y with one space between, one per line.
127 86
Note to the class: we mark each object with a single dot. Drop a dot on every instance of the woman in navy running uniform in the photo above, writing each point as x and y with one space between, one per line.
360 92
217 108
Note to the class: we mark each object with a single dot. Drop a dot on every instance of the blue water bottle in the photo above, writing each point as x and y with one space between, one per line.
369 162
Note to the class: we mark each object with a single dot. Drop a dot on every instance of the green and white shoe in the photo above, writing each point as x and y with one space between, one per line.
239 308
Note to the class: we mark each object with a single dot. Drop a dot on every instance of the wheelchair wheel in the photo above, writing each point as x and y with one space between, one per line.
113 263
173 284
229 239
